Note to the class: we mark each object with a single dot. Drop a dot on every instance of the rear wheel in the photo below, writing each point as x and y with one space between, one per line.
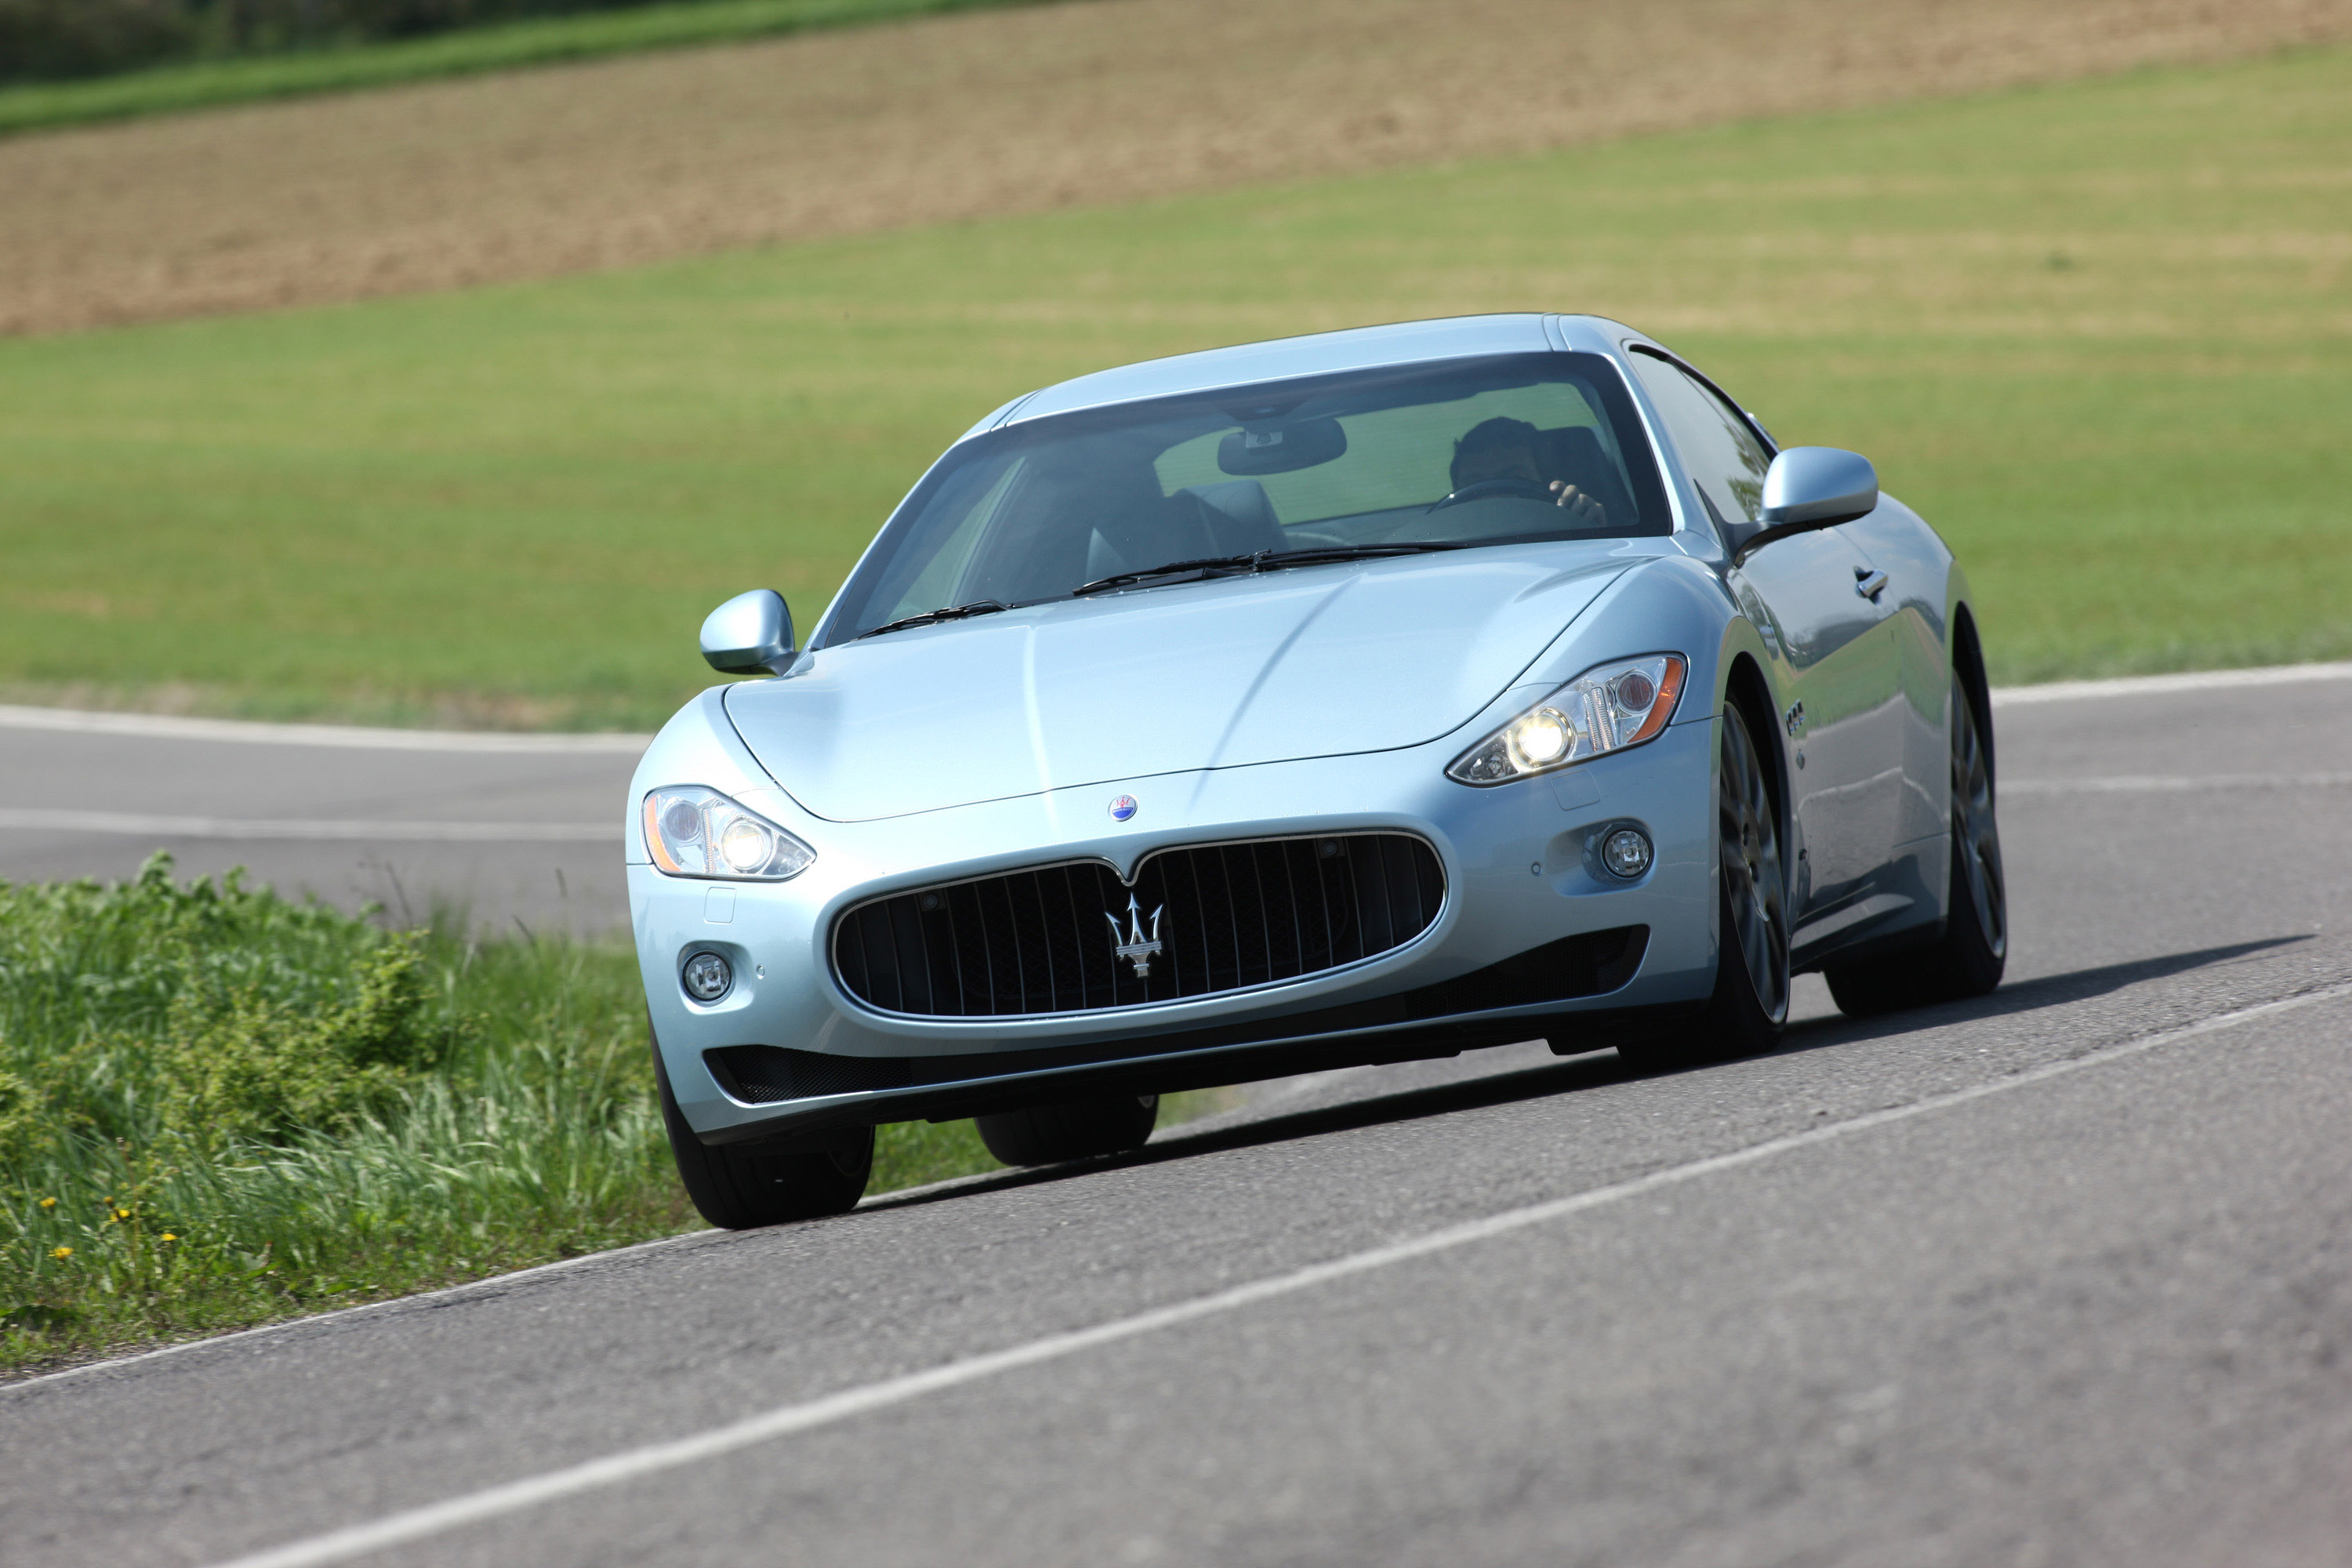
1968 960
739 1191
1074 1130
1750 1001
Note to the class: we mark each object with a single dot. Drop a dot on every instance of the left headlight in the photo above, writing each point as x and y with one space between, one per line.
1607 709
692 831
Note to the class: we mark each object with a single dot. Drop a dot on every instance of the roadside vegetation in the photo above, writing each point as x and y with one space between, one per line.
68 62
2100 334
218 1108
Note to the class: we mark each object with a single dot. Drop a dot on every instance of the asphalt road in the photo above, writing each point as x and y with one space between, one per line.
493 828
2063 1276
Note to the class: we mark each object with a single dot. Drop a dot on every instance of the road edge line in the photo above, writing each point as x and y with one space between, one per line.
179 727
511 1497
2167 685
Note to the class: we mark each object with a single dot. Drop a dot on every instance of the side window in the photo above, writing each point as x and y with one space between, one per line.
1716 448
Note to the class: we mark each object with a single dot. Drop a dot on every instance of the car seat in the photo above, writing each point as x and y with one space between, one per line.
1240 517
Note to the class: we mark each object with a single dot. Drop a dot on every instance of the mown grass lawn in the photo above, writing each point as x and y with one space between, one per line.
2100 334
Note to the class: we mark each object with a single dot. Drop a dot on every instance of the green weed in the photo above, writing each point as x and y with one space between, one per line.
219 1107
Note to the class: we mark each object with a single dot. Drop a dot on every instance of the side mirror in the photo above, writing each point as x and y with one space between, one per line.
1808 488
748 634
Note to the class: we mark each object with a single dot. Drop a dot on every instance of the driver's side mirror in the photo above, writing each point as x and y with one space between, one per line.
1808 487
748 634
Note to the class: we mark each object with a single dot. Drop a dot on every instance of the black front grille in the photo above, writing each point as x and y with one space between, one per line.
1225 916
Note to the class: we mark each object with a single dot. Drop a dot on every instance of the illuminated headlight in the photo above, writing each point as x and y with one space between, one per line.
692 831
1607 709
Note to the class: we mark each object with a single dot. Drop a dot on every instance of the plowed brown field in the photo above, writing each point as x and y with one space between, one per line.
644 158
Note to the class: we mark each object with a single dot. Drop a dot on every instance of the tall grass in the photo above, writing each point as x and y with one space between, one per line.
165 1168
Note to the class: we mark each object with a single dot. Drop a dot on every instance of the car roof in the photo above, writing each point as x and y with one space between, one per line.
1358 348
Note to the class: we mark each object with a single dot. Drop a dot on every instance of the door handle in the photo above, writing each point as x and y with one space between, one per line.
1869 584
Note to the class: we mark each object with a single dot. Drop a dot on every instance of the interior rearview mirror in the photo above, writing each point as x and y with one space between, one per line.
1282 448
750 633
1808 488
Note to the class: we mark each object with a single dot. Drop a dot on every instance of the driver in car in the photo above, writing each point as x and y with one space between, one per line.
1500 451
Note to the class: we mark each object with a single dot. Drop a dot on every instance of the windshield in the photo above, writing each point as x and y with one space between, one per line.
1458 453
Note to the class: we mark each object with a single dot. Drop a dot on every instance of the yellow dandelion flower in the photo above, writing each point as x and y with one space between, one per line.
49 1203
122 1213
61 1253
169 1236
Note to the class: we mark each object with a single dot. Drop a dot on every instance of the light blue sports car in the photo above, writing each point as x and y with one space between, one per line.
1354 697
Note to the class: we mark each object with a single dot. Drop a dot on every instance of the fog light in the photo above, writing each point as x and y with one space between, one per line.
1626 852
707 977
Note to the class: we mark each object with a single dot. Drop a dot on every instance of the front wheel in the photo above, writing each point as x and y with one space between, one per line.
1075 1130
1968 960
739 1191
1750 1005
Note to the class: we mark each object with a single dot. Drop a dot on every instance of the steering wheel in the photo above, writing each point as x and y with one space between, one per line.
1485 490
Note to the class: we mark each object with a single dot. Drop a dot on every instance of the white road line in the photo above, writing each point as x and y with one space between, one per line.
161 726
172 726
2156 785
2167 685
492 1502
138 824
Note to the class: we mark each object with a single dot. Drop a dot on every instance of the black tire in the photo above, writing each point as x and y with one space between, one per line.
1750 1005
1075 1130
738 1190
1969 958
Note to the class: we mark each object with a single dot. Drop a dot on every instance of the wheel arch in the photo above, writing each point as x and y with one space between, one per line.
1746 688
1968 666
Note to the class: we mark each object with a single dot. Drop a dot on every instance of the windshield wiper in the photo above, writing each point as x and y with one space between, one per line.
933 617
1263 561
1322 553
1173 568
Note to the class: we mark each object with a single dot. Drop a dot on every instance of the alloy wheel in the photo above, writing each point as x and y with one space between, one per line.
1974 830
1755 890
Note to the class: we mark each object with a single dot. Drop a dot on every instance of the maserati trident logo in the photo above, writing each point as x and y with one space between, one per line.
1137 949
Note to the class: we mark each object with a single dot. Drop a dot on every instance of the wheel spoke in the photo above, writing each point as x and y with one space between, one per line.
1975 829
1750 854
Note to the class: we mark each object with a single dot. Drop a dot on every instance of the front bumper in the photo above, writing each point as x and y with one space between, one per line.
1519 876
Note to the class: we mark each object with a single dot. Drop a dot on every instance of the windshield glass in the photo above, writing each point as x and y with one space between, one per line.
1461 452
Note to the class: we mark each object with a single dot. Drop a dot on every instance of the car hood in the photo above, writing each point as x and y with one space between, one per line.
1309 662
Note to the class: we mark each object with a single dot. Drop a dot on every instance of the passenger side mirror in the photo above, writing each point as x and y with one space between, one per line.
1808 488
748 634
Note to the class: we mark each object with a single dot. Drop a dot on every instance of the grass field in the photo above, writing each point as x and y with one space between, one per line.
216 83
218 1108
2100 334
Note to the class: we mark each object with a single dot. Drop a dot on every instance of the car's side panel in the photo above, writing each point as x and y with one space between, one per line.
1918 565
1835 668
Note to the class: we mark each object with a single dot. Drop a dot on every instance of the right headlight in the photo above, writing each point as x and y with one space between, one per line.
694 831
1607 709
